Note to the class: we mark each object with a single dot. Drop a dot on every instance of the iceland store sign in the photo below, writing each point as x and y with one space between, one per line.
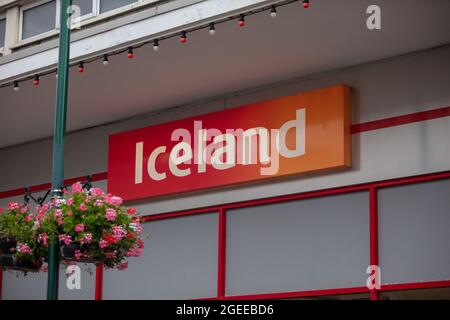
303 133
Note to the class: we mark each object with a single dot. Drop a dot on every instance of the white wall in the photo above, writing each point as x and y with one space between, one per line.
407 84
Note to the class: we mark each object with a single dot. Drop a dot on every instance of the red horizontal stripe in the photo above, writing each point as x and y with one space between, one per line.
300 294
401 120
417 285
339 291
47 186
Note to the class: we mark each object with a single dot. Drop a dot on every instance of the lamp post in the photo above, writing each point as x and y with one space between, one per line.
58 139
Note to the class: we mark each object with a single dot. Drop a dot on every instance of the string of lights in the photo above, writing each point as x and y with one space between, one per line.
183 35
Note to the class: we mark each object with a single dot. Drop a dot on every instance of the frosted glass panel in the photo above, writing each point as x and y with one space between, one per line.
414 237
86 6
107 5
179 262
39 19
16 286
301 245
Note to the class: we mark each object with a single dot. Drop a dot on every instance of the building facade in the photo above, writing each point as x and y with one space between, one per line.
306 235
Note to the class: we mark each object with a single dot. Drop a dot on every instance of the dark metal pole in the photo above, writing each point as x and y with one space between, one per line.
58 140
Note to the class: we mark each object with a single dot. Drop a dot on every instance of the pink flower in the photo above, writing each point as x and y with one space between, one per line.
13 206
67 239
111 255
123 265
29 217
70 213
78 254
97 192
69 201
77 187
119 232
23 248
58 202
110 214
41 211
87 238
24 209
79 227
99 202
113 200
134 252
83 207
44 268
58 213
131 211
59 221
136 226
43 238
102 244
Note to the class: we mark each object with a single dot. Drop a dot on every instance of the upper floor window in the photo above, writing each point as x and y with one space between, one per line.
43 16
37 18
2 30
87 7
107 5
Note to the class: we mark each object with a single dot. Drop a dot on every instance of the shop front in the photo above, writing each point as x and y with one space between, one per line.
345 196
279 173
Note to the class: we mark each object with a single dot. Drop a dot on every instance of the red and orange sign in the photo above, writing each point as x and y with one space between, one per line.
290 135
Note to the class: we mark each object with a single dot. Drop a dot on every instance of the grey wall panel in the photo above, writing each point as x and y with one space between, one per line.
300 245
16 286
179 262
414 237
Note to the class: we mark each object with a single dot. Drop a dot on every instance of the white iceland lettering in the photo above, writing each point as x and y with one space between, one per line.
237 146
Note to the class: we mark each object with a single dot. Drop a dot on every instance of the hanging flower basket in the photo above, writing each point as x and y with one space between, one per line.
19 246
10 262
69 251
72 252
92 226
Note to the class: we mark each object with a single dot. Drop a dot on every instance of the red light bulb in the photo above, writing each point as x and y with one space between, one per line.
183 37
241 21
130 54
306 4
81 67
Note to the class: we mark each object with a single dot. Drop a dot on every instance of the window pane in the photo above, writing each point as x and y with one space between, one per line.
414 224
85 6
179 261
303 245
107 5
2 32
39 19
17 286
